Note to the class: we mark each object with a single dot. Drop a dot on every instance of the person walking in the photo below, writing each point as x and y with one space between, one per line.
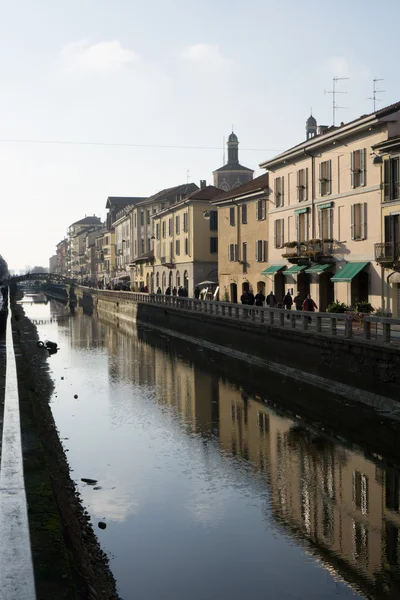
197 292
250 298
287 302
244 298
260 298
309 305
298 302
271 300
168 291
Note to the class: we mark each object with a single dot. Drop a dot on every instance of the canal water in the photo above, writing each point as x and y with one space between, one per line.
207 492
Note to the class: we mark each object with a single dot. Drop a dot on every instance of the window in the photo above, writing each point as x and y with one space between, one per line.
244 214
260 210
244 257
391 179
302 185
185 222
157 231
392 491
135 248
163 229
279 191
148 244
170 227
213 245
141 217
325 171
232 252
177 247
360 541
392 539
357 169
279 233
359 221
134 219
360 491
171 250
263 423
213 220
261 250
177 225
325 223
302 226
232 216
141 246
148 217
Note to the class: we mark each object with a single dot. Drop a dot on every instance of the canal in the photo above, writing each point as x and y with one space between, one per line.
209 492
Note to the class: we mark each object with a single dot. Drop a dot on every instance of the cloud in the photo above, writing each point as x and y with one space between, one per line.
206 56
100 57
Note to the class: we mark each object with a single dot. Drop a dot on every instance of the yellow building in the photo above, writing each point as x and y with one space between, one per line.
76 245
325 211
186 242
387 252
243 238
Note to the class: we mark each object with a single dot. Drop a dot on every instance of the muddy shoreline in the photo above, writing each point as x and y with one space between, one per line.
68 560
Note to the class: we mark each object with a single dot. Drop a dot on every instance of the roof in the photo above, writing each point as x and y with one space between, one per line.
258 184
311 121
233 138
200 195
233 167
183 189
88 221
328 134
123 200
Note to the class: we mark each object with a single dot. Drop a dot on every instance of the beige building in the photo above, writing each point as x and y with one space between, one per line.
243 238
387 252
122 228
75 256
186 242
325 211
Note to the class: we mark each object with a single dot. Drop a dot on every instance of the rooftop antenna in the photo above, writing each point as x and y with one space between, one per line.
375 92
187 176
223 150
334 91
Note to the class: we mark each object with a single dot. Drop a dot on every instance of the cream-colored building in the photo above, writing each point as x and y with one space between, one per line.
243 238
387 252
75 256
186 242
122 229
325 211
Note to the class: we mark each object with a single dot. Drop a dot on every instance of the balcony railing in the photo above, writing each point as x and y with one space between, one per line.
312 250
167 261
387 252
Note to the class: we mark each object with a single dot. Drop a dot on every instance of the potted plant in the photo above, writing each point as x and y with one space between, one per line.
290 244
337 307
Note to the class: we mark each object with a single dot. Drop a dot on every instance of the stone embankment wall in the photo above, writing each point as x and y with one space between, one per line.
358 369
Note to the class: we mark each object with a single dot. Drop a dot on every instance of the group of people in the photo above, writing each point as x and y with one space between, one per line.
308 304
181 291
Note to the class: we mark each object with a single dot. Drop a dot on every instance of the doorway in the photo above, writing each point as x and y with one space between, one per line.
245 286
233 290
279 286
326 291
359 288
261 287
303 284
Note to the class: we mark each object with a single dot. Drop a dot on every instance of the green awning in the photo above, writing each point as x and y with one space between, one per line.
295 270
300 211
273 269
326 205
349 271
317 269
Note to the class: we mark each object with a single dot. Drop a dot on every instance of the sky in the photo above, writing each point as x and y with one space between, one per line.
138 96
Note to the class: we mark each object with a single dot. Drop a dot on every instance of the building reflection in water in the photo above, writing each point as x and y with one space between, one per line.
343 506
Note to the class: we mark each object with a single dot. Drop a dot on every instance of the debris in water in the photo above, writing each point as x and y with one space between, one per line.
89 481
76 396
102 525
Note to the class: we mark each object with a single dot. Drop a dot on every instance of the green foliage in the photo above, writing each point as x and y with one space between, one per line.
337 307
3 268
226 296
364 307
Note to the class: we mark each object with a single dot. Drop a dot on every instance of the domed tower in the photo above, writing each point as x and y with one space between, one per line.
311 127
233 174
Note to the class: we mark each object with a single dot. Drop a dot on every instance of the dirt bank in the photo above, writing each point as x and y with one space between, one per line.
68 560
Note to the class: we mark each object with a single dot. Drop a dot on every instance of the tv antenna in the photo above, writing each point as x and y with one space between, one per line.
187 176
334 91
223 150
375 92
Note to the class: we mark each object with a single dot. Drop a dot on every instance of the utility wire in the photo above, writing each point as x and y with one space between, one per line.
124 145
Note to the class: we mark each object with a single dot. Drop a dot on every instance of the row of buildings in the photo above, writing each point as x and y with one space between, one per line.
322 219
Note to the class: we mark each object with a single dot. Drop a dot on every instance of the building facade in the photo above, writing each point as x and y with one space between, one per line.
243 238
76 250
325 212
186 242
232 174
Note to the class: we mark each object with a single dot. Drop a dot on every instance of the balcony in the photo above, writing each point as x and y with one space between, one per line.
167 261
387 253
312 251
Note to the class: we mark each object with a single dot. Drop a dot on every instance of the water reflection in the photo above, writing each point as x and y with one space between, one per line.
332 500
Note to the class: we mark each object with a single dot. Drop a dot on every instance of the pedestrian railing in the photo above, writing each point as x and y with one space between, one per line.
16 568
333 324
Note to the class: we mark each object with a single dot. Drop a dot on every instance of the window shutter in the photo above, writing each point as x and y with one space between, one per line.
305 194
298 186
236 251
306 226
362 167
352 225
257 251
329 224
386 184
275 232
282 191
320 179
320 224
257 211
297 228
282 233
364 220
329 177
264 251
263 205
229 253
352 168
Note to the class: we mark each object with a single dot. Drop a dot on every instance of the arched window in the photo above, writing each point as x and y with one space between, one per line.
158 280
186 280
164 282
178 279
170 280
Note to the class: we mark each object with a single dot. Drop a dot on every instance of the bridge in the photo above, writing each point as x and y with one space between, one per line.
45 277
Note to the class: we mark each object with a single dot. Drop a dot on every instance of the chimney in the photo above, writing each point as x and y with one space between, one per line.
322 129
203 184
